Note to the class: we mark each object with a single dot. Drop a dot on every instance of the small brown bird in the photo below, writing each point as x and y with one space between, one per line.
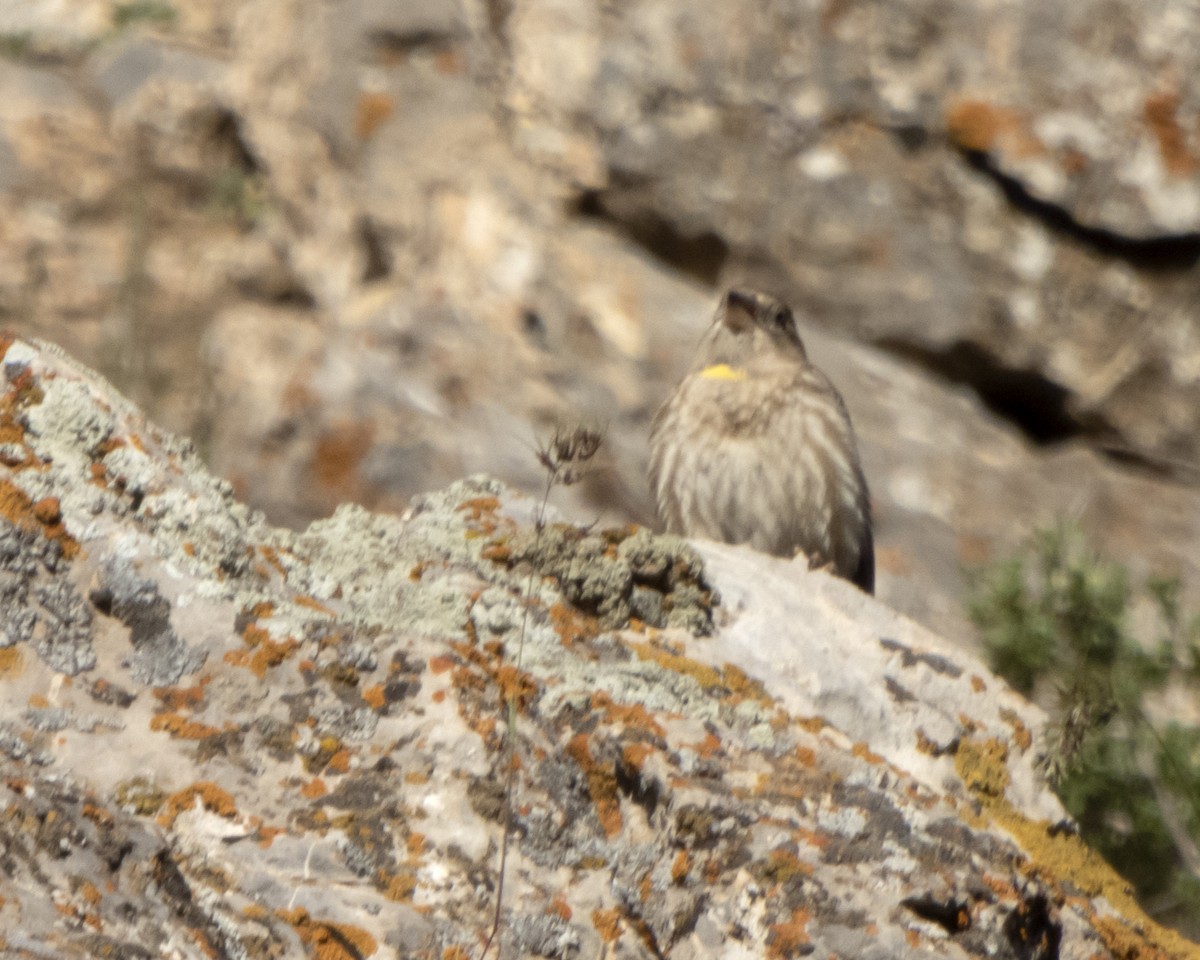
755 446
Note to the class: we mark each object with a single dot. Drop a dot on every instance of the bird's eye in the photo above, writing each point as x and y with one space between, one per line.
782 318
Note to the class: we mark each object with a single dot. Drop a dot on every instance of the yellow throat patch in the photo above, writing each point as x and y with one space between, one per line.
722 371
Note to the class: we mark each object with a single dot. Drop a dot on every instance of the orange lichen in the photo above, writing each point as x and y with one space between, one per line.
805 755
264 653
984 127
44 517
12 664
607 924
375 696
182 698
397 887
571 625
338 453
559 907
635 754
709 747
977 683
314 789
602 784
478 506
863 752
1159 113
327 940
302 600
97 814
1021 735
680 867
210 796
181 727
788 939
441 663
631 715
371 110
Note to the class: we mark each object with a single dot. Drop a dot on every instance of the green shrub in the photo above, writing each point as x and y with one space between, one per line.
1057 624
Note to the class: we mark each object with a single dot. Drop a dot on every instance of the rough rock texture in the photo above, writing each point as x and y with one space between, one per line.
223 739
358 250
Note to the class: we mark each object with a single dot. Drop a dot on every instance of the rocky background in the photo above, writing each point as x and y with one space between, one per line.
358 249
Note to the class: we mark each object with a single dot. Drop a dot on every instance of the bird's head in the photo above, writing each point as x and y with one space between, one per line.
749 324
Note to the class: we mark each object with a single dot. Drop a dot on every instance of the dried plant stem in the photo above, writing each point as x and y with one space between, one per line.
561 457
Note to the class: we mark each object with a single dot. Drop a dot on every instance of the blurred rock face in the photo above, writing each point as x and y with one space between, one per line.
360 252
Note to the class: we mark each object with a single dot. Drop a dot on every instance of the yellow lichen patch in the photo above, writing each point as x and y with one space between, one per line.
1058 858
790 938
783 866
44 517
327 940
743 686
602 784
208 794
139 795
607 924
702 673
863 752
982 766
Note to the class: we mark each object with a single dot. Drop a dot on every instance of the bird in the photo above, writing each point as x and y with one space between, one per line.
755 446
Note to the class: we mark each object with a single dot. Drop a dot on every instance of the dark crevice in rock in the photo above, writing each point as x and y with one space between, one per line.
397 43
951 915
1037 405
701 256
1169 253
376 258
227 143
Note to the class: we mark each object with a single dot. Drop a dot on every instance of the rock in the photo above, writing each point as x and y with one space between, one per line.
361 252
252 735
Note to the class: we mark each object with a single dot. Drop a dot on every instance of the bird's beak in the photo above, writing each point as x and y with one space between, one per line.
739 310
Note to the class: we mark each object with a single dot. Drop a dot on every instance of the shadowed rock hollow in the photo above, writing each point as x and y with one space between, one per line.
223 739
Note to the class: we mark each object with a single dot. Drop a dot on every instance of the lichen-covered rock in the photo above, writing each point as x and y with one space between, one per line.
252 742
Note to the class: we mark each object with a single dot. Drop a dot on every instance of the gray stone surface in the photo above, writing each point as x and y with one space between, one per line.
807 772
360 251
